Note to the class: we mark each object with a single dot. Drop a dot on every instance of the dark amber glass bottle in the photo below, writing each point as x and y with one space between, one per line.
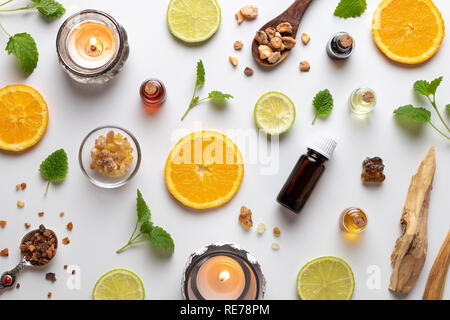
305 175
153 93
341 46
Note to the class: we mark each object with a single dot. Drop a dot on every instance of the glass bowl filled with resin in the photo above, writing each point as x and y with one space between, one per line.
110 156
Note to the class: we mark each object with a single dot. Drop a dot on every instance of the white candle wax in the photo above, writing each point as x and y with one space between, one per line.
91 45
221 278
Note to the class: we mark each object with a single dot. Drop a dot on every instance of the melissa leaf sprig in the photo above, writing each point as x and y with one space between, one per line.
55 167
49 9
145 230
427 89
323 103
22 45
200 82
350 8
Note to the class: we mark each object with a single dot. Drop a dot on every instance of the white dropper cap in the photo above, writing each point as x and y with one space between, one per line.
324 146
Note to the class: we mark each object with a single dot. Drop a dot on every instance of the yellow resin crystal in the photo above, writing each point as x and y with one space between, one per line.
112 155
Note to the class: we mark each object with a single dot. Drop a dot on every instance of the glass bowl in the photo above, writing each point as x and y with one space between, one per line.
97 178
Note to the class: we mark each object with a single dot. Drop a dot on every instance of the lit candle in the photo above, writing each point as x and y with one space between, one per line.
221 278
92 47
223 272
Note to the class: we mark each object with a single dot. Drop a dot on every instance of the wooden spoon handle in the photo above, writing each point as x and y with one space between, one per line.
438 274
295 12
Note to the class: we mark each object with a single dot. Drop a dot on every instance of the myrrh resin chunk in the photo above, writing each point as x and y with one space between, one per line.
373 171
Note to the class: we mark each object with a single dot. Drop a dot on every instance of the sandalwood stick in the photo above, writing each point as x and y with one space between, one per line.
438 274
410 249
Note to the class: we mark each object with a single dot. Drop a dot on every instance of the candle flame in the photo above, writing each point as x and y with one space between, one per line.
95 47
93 42
224 276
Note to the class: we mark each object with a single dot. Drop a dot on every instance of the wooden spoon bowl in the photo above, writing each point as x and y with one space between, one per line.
293 15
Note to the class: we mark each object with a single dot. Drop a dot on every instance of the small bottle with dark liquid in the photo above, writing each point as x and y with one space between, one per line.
341 46
153 93
305 175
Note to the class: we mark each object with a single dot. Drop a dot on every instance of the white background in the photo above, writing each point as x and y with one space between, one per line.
104 219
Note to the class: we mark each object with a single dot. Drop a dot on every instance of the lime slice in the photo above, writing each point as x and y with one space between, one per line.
193 20
326 278
274 113
119 284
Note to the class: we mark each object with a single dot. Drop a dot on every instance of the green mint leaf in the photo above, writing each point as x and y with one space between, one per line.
200 74
434 85
323 103
50 9
55 167
422 87
146 227
416 114
23 46
448 107
350 8
143 211
154 234
217 95
160 238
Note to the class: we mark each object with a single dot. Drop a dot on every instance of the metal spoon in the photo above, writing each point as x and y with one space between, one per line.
8 278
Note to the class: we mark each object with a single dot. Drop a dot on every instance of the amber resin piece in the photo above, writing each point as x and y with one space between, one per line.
373 171
245 218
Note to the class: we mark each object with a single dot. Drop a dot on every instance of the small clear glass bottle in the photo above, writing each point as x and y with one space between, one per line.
341 46
307 172
96 75
353 220
362 101
153 93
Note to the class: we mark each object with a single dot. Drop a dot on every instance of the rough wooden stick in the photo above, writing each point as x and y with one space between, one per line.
438 274
410 249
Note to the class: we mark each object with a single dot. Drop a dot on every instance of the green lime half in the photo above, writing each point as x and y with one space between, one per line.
326 278
193 21
274 113
119 284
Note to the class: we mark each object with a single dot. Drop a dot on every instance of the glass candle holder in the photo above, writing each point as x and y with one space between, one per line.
92 47
223 271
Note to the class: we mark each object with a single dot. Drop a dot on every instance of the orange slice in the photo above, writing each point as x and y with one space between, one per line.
23 117
408 31
204 170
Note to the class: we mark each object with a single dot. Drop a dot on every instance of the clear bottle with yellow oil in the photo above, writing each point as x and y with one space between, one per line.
362 101
353 220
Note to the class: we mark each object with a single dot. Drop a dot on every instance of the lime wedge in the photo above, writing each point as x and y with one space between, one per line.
119 284
274 113
326 278
193 20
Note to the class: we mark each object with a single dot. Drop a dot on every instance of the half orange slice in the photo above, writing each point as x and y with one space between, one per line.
204 170
23 117
408 31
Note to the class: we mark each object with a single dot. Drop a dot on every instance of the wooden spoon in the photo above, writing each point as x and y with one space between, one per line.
293 15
